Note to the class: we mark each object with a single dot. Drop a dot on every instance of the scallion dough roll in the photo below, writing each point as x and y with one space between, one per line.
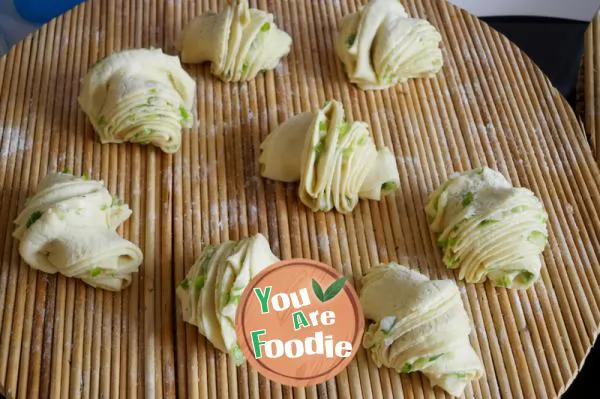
336 161
419 325
210 293
240 42
489 229
69 226
142 96
381 46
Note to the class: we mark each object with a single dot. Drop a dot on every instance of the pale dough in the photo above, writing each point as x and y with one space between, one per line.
240 42
489 229
142 96
419 325
335 160
381 46
69 226
210 293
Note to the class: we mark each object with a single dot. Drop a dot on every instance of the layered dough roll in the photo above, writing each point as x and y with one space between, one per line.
69 226
239 42
489 229
419 325
335 160
142 96
381 46
210 293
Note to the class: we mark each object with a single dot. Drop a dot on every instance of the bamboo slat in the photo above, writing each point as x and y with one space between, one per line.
489 106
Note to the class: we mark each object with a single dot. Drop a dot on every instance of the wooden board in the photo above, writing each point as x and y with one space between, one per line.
489 106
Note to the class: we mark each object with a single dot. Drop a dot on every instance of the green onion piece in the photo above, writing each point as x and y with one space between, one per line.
199 283
235 299
436 357
467 199
487 222
519 209
225 297
265 27
95 271
185 284
504 282
407 368
451 261
33 218
351 39
65 171
389 186
185 115
526 277
101 120
323 126
344 127
536 236
318 149
116 200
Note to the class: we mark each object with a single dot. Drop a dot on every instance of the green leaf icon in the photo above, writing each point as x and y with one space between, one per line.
331 291
318 290
334 288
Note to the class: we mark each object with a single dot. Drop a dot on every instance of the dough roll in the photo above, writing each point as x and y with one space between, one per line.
239 42
488 229
142 96
381 46
211 291
68 227
336 161
419 325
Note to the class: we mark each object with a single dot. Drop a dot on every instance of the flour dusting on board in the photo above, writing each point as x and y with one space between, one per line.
23 143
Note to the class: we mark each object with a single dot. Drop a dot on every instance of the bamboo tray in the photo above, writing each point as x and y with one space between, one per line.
489 106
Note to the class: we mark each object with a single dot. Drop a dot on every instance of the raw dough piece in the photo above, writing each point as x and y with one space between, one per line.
211 291
419 325
489 229
69 226
239 42
381 46
336 161
142 96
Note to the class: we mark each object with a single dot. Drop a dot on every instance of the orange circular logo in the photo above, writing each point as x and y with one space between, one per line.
299 322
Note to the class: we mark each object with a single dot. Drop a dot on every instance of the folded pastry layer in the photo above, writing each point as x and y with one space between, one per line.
381 46
210 293
142 96
239 42
336 161
69 226
419 325
489 229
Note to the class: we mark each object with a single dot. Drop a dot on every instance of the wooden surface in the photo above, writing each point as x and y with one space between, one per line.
489 106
